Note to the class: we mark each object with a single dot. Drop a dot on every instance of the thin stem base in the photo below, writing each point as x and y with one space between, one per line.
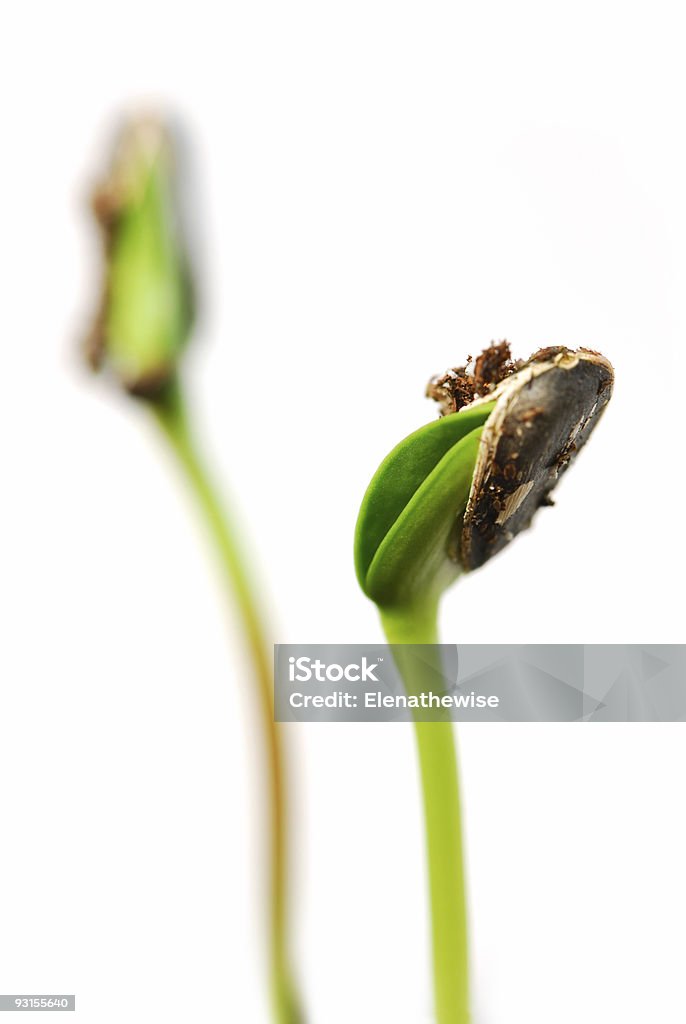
436 752
172 418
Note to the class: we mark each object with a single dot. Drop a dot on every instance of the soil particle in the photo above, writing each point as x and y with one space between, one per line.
460 385
452 390
493 365
547 353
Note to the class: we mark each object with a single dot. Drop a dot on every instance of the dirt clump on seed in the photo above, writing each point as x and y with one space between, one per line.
460 385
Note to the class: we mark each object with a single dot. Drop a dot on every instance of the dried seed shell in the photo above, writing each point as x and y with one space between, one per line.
544 414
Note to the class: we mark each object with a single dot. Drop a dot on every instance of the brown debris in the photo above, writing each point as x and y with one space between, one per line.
452 390
461 385
546 353
493 365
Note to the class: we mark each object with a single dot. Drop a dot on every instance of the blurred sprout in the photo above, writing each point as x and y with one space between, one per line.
146 308
142 327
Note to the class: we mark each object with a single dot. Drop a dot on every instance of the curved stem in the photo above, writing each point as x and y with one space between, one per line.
170 414
439 777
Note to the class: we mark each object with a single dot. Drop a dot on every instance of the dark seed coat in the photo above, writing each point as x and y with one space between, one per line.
543 417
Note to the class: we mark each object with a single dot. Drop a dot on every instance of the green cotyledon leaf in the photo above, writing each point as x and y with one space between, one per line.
412 508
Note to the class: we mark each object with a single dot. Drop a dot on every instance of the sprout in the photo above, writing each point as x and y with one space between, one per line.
143 325
458 490
446 500
146 309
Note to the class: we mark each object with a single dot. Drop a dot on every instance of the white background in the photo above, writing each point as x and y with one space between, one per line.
381 188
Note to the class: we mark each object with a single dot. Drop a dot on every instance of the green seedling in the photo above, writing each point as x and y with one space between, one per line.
447 499
146 308
143 325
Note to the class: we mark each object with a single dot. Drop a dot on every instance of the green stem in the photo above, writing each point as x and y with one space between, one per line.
171 415
438 768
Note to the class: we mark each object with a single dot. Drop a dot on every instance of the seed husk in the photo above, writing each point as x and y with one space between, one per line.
545 412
